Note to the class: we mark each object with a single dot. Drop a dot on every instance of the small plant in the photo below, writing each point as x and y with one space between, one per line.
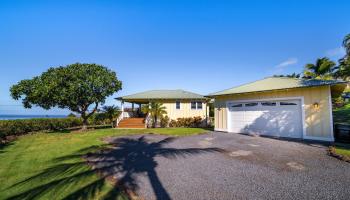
338 102
164 121
111 113
173 123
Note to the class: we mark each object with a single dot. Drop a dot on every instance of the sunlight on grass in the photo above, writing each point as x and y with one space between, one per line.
343 149
32 154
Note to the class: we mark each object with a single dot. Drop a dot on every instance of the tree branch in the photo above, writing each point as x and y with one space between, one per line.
93 111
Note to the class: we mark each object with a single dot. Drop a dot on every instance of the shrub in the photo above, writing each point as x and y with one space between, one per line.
173 123
24 126
187 122
164 121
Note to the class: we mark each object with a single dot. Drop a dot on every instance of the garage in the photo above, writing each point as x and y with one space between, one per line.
278 106
282 118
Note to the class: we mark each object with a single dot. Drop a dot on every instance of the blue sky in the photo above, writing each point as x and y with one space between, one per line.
201 46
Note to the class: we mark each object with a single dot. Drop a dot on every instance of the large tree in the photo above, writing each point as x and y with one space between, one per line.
322 69
78 87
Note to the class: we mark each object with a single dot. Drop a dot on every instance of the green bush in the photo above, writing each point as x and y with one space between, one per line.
24 126
164 121
187 122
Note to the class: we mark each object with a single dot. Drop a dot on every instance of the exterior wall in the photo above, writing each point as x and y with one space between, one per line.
318 122
185 109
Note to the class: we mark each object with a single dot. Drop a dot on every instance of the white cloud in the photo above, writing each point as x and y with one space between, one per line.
280 67
336 52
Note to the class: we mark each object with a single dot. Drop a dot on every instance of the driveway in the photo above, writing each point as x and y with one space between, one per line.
224 166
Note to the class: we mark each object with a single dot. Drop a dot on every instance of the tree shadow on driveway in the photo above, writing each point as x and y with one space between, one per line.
118 162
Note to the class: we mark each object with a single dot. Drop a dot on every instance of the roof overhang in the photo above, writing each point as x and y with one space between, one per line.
147 100
336 90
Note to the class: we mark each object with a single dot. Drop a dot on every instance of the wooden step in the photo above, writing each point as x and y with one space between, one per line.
132 123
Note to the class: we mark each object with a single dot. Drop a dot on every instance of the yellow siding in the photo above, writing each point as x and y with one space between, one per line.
185 109
317 121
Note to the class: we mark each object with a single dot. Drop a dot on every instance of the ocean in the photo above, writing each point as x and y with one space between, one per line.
11 117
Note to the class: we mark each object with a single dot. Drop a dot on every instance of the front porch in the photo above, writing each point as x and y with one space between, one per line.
177 104
132 117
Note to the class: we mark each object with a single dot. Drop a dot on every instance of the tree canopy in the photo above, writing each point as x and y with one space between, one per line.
344 63
76 87
322 69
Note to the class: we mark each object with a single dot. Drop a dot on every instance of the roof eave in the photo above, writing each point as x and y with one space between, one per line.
259 91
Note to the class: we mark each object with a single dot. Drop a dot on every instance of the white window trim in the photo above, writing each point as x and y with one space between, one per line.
301 98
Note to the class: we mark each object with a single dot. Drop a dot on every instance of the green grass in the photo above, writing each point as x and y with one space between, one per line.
30 155
342 149
342 115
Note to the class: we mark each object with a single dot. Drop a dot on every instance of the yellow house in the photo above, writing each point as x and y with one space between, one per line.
278 106
178 104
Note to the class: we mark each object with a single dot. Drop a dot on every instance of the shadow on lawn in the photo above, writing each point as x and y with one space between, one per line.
3 146
118 163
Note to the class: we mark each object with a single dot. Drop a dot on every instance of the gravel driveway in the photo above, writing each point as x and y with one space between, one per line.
225 166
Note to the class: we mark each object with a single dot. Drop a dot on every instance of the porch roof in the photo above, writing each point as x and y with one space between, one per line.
145 97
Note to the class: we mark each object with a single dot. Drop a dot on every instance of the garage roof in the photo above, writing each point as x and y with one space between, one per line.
276 83
162 94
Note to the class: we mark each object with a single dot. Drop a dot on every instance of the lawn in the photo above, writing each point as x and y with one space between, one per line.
342 149
33 166
342 115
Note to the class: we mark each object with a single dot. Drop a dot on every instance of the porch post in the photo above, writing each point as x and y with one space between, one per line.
122 107
206 113
132 107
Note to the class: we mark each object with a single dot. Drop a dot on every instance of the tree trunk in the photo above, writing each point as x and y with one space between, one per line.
155 122
85 124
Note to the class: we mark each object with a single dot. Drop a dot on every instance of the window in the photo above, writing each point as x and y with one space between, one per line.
238 105
177 105
268 103
251 104
199 105
196 105
193 105
287 104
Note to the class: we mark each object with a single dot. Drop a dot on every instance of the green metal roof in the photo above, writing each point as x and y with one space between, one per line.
276 83
162 94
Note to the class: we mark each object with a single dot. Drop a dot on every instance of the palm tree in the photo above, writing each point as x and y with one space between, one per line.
111 113
156 110
346 44
322 69
343 70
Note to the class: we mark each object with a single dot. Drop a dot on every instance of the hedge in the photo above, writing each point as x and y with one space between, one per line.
187 122
24 126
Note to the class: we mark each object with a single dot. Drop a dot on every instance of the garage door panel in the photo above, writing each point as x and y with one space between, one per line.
275 118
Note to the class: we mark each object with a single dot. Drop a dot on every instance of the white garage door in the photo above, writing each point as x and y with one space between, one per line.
274 118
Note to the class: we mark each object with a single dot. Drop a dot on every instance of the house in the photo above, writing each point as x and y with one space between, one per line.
178 104
278 106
